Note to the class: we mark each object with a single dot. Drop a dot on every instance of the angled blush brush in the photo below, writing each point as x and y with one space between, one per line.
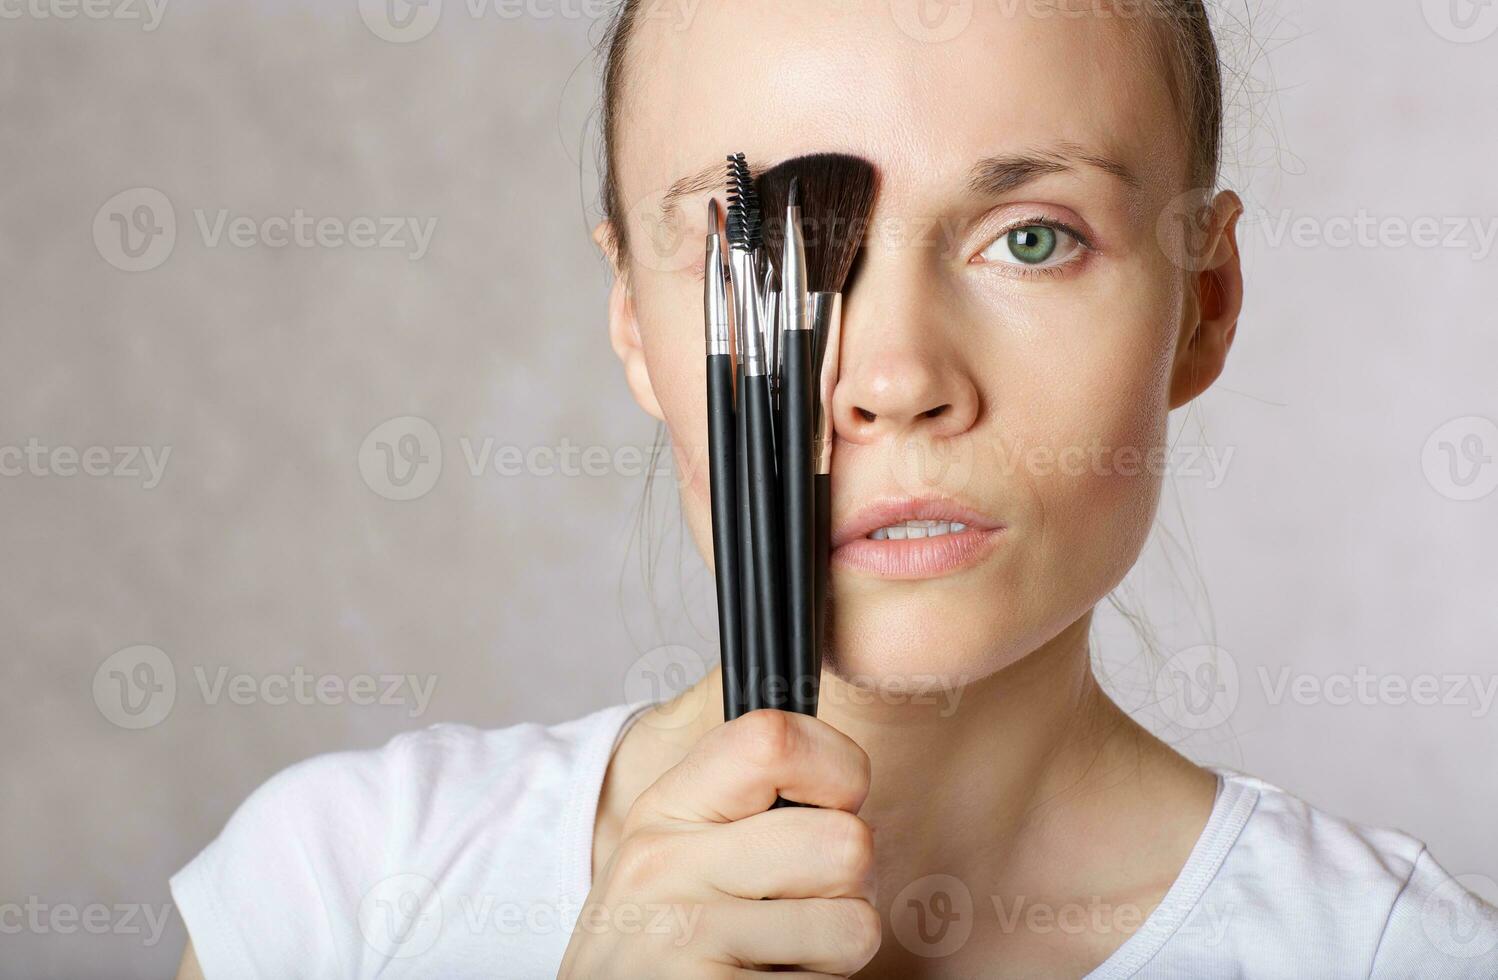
795 436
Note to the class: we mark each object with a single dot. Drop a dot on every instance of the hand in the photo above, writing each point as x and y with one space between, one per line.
730 887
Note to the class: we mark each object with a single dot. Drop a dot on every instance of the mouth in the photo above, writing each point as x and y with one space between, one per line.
913 539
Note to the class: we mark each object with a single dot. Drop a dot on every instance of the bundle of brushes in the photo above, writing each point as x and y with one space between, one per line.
774 318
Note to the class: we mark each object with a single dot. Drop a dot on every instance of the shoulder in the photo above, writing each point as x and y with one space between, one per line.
500 815
1303 892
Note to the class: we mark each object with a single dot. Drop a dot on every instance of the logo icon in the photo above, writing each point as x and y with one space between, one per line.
932 21
1198 687
1461 458
401 916
1184 230
923 465
1462 21
400 21
656 237
933 916
136 687
136 230
659 677
1457 921
401 458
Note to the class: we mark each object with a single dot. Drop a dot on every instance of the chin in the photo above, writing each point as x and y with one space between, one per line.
900 637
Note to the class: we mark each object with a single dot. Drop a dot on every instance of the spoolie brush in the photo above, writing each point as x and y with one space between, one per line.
764 592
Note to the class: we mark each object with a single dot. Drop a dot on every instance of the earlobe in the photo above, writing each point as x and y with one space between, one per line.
624 332
1214 308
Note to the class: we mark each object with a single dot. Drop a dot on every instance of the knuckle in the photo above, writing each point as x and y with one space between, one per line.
860 931
864 773
767 738
642 859
851 845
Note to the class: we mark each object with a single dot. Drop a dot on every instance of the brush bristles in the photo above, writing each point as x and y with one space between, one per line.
836 195
745 227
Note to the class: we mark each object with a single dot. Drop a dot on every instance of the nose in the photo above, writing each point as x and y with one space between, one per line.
900 371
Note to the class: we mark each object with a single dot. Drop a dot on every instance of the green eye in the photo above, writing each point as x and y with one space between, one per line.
1033 245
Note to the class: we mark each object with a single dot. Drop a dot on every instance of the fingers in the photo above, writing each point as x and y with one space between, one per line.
791 853
837 936
738 769
779 854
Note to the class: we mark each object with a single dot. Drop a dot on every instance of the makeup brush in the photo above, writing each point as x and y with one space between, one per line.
834 194
744 238
796 417
752 639
722 438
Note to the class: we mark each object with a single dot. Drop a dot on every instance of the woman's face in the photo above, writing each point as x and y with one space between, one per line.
1015 337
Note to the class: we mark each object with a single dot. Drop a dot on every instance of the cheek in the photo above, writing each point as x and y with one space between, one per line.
675 357
1090 429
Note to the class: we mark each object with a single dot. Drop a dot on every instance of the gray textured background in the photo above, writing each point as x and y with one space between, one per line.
266 549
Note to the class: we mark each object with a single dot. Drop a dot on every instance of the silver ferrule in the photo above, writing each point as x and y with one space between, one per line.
747 304
715 299
793 314
769 321
824 311
775 331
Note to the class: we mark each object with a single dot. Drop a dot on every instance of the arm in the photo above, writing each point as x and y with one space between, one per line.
189 970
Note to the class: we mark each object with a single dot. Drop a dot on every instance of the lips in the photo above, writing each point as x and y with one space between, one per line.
913 555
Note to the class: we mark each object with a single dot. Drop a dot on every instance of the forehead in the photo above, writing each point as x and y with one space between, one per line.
920 98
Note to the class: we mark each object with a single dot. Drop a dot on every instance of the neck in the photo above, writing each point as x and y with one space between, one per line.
976 769
1029 785
979 767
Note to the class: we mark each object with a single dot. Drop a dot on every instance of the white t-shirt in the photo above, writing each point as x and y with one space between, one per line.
453 852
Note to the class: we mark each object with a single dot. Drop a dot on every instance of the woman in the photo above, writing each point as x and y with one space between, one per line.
1026 285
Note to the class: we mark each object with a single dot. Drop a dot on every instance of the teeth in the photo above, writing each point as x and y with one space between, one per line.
916 530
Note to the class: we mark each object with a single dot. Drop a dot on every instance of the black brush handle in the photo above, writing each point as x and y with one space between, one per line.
768 537
722 437
796 486
753 642
821 577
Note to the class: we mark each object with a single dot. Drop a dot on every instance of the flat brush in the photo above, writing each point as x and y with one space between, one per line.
722 439
835 198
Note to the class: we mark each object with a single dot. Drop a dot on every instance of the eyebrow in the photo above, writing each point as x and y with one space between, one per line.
1000 175
993 176
705 179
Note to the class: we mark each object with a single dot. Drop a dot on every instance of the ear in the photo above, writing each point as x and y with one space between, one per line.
1213 307
624 328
